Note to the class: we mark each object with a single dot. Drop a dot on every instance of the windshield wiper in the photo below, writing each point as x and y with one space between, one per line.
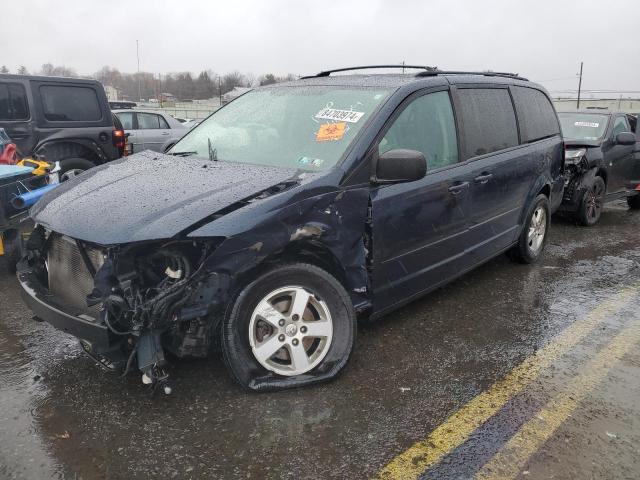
213 153
183 154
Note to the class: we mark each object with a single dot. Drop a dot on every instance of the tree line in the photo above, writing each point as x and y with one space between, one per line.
146 85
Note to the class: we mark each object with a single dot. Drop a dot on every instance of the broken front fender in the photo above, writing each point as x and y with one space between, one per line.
332 222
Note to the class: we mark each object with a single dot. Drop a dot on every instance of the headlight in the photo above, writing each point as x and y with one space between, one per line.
574 155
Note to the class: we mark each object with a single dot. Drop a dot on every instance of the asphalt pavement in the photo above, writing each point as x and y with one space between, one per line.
512 371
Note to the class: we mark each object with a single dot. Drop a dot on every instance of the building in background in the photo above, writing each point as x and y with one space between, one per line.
233 94
113 94
629 105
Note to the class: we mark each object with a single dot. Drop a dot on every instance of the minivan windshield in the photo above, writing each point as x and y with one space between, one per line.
583 126
306 127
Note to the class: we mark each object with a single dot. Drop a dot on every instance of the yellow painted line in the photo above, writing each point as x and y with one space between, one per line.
460 425
508 462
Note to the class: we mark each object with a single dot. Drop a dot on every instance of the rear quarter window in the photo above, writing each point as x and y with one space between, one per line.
536 114
13 102
66 103
488 120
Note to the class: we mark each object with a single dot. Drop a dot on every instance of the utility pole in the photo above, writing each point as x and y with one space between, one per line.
219 92
138 56
579 86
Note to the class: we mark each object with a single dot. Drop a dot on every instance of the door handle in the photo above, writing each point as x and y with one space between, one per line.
457 188
165 133
483 178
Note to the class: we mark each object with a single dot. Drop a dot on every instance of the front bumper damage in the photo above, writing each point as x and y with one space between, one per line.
44 307
140 301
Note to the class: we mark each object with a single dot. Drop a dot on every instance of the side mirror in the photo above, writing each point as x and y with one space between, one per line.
401 165
625 138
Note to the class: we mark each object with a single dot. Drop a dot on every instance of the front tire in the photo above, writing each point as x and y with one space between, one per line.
590 208
534 234
294 325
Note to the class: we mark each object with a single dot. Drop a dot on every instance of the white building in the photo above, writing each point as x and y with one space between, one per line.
112 93
628 105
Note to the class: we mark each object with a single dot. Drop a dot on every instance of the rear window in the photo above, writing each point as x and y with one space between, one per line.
13 102
535 112
65 103
488 119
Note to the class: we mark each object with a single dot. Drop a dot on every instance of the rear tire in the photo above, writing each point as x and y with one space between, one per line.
71 167
534 234
267 346
590 207
634 202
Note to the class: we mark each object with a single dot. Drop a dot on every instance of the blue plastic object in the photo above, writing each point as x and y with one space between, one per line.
8 171
27 199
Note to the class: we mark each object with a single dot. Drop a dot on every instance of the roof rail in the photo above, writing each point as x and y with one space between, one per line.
428 71
326 73
462 72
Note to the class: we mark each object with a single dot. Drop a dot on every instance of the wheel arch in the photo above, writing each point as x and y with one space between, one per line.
305 251
542 185
61 149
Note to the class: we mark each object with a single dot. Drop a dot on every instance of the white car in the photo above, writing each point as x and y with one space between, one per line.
149 130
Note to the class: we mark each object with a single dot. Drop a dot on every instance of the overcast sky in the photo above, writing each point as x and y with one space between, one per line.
543 40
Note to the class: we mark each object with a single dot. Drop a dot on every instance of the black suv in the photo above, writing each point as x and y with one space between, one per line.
60 119
292 211
601 162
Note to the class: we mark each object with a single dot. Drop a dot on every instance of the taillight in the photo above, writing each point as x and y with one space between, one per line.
119 140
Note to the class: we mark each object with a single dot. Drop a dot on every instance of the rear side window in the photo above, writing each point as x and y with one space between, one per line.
13 102
65 103
535 112
488 119
151 121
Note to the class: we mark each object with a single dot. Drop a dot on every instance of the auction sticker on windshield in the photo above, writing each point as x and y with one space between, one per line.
587 124
329 132
339 115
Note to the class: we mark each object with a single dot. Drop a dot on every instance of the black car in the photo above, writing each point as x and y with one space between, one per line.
601 162
291 212
60 119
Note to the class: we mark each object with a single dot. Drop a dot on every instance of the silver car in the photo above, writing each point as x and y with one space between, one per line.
149 130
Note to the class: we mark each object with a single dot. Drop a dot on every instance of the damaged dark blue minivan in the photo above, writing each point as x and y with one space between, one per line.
274 225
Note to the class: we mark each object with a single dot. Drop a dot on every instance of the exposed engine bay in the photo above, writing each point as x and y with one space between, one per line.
148 298
576 165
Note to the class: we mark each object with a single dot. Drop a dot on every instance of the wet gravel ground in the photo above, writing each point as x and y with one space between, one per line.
61 417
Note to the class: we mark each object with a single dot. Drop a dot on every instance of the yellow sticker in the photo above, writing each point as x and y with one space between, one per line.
331 131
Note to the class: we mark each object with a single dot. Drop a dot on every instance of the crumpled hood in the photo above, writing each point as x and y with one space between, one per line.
149 196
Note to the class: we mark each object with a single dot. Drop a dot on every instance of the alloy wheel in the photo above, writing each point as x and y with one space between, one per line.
594 201
537 229
69 174
290 331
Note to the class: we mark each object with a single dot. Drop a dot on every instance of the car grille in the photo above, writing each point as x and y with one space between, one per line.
69 279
